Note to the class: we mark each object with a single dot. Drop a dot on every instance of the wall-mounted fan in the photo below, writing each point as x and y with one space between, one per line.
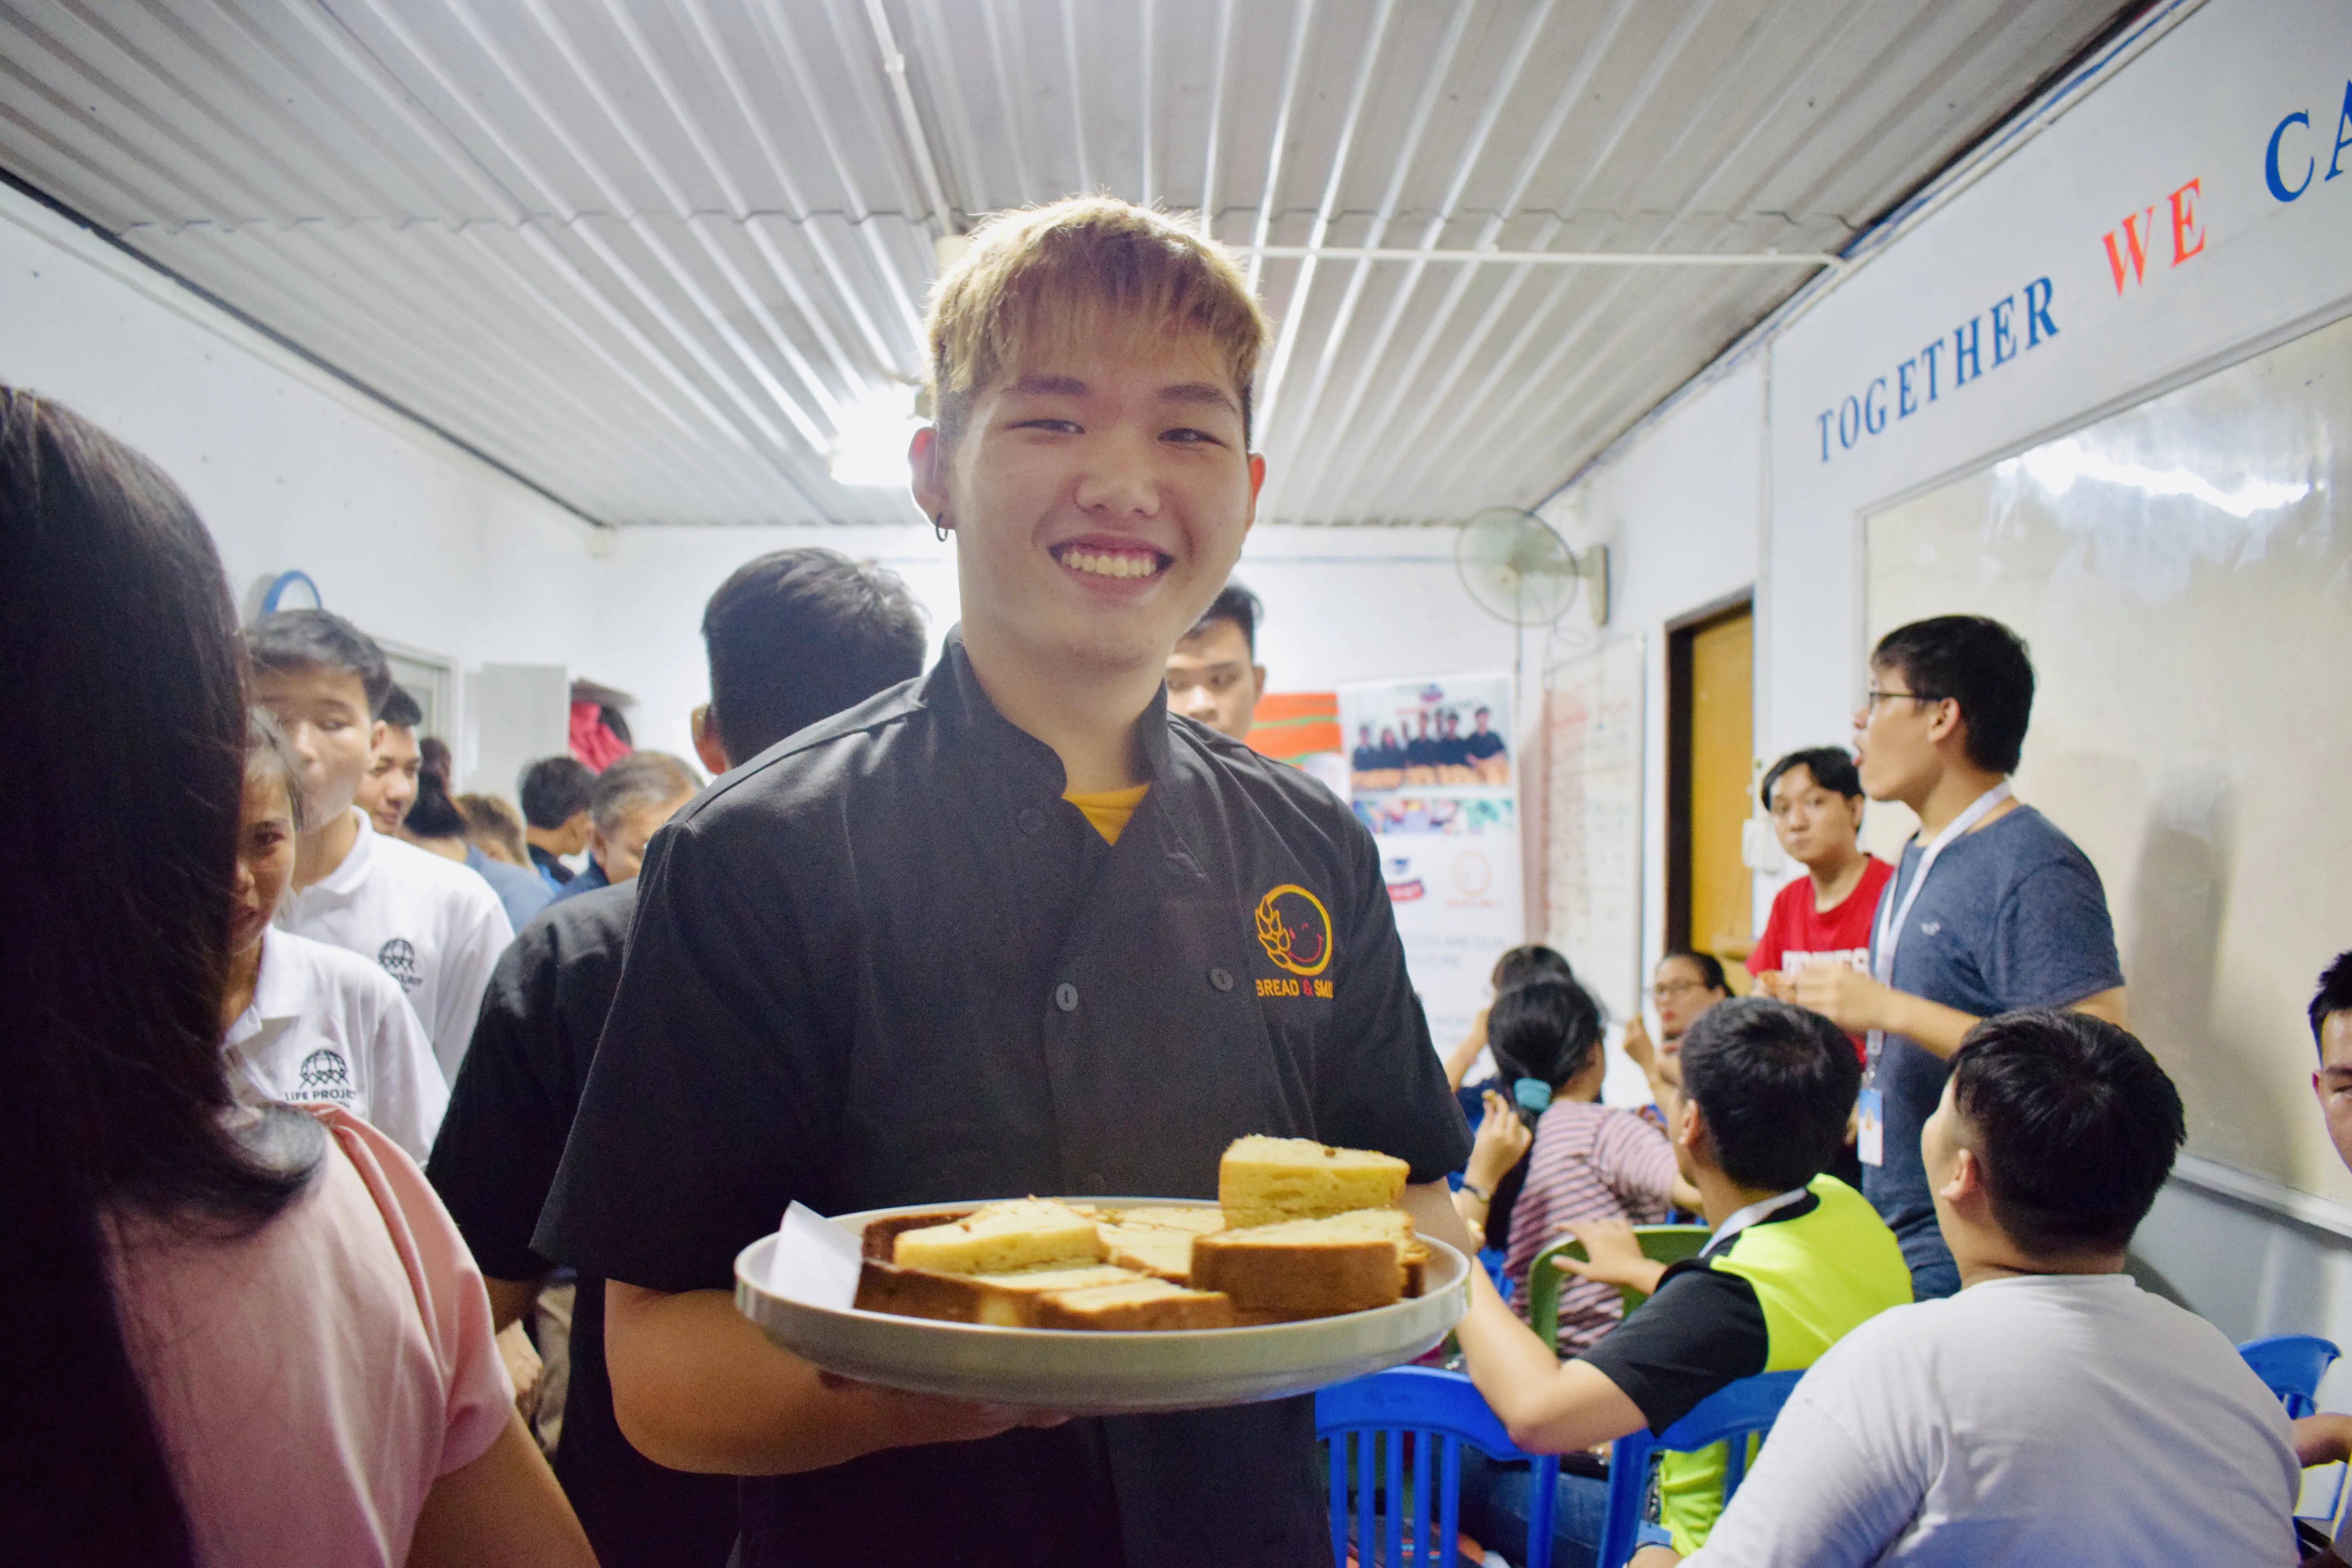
1519 569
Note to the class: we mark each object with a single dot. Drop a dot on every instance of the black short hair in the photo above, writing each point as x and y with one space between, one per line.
288 641
797 636
1710 968
1545 1028
2334 993
400 709
634 782
554 790
1977 662
2075 1123
1832 767
1520 964
1776 1085
433 815
1236 603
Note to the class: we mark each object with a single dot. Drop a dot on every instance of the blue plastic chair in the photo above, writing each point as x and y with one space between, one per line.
2291 1366
1730 1413
1442 1411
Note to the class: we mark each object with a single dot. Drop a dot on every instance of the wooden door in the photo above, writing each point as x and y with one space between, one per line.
1712 671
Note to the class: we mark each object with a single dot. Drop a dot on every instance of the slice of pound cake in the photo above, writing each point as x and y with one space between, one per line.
1266 1181
1144 1304
1028 1233
1315 1268
1006 1300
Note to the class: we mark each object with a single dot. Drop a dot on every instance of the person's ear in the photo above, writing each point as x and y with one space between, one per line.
1964 1189
1690 1125
926 458
1257 673
1949 722
706 744
376 733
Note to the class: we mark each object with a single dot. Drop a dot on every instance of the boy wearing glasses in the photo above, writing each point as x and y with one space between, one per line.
1992 910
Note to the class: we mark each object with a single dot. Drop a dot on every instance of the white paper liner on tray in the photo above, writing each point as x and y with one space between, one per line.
798 1285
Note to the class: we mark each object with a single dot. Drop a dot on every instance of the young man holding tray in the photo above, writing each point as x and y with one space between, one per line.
1007 929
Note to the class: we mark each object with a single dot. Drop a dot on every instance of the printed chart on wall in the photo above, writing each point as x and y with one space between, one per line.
2182 573
1592 822
1432 774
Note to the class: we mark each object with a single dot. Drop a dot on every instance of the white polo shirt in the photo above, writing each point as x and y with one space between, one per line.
326 1026
2048 1418
431 924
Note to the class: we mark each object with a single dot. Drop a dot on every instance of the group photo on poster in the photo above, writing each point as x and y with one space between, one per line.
1431 774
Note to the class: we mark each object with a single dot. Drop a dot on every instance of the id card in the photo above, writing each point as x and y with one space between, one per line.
1870 1127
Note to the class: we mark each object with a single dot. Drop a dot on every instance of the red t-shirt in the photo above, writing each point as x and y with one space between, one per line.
1796 934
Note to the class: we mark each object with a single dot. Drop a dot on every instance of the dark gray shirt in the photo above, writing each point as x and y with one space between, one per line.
885 962
2011 916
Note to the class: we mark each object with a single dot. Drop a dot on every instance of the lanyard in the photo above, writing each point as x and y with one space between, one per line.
1891 915
1749 1215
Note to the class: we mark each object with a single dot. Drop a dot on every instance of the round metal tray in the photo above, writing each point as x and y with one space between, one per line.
1091 1374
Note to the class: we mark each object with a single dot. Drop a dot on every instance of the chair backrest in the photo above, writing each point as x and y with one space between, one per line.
1728 1415
1660 1243
2291 1366
1442 1411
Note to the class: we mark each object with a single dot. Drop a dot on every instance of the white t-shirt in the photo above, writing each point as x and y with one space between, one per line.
327 1027
2048 1418
429 923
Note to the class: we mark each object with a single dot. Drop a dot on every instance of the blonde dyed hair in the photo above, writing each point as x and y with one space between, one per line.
1034 281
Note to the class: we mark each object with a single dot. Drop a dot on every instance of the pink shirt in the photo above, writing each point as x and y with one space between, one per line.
312 1380
1589 1162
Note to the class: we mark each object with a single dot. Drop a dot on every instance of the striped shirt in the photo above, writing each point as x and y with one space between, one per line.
1589 1162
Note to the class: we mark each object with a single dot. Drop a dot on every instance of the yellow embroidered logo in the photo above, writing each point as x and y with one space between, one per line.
1295 929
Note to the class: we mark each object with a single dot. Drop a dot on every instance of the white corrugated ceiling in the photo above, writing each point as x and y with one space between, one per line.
649 254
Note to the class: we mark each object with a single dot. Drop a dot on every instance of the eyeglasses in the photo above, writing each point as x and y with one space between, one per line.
1667 990
1874 697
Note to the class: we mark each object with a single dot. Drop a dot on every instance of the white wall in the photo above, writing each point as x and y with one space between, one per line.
416 540
1735 484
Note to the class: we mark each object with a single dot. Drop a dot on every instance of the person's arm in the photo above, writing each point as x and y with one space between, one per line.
2322 1440
510 1300
502 1510
1644 1054
697 1386
1613 1255
1457 1066
1548 1406
1433 1214
1856 1002
1501 1143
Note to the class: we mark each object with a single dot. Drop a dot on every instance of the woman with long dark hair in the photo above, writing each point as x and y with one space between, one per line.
233 1335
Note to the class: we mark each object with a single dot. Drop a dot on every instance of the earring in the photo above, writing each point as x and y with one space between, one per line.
940 527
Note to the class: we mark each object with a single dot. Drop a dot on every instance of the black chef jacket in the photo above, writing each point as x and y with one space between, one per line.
885 962
493 1163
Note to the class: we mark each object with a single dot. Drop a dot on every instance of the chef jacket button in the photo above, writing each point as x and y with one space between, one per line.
1222 979
1065 997
1032 821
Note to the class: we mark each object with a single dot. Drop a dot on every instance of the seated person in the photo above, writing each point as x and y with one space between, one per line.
1470 1062
1590 1162
1684 985
1797 1260
2051 1411
2326 1438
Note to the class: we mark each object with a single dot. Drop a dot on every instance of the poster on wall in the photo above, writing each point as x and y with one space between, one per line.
1431 771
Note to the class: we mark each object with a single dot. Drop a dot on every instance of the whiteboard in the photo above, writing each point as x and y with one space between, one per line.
2182 571
1592 821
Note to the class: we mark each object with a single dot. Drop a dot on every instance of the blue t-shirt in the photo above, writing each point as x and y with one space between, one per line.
2012 916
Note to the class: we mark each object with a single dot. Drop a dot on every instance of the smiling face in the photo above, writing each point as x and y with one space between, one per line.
1680 992
324 713
1099 498
1813 823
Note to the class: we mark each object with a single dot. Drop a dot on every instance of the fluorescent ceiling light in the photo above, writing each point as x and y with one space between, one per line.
870 449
